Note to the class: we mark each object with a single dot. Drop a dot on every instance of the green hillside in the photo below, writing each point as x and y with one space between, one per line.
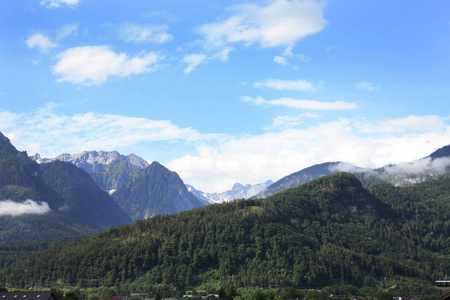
324 232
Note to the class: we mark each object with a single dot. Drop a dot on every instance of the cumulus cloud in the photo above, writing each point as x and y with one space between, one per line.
255 159
40 41
292 85
301 104
58 3
144 34
28 207
94 64
281 60
280 23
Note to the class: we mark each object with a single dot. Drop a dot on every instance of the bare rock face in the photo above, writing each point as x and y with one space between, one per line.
109 169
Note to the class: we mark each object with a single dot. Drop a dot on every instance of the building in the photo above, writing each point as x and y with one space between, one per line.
443 287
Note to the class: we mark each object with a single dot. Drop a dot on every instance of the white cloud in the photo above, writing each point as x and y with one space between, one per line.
67 30
28 207
57 3
222 55
297 85
285 122
280 60
287 55
368 86
193 60
94 64
50 134
302 104
40 41
144 34
280 23
424 166
221 160
255 159
410 123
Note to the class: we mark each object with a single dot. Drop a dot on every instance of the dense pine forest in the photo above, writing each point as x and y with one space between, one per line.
330 231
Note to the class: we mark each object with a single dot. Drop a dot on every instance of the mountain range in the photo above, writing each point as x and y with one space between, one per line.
109 169
238 191
313 226
50 201
434 166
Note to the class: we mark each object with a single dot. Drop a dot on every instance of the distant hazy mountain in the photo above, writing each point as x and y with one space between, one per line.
238 191
155 190
108 169
31 209
434 166
442 152
302 176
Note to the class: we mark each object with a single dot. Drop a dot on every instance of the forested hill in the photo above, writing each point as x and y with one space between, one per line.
327 231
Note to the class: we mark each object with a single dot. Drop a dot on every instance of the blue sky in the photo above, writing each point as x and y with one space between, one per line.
227 91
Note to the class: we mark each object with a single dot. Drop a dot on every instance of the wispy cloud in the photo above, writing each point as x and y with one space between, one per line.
292 85
40 41
400 125
220 160
286 122
58 3
287 55
420 167
28 207
280 23
367 86
302 104
67 30
94 64
144 34
193 60
49 133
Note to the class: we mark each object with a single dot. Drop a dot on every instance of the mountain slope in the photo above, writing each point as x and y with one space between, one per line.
155 190
51 200
83 198
441 152
108 169
321 233
30 209
300 177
